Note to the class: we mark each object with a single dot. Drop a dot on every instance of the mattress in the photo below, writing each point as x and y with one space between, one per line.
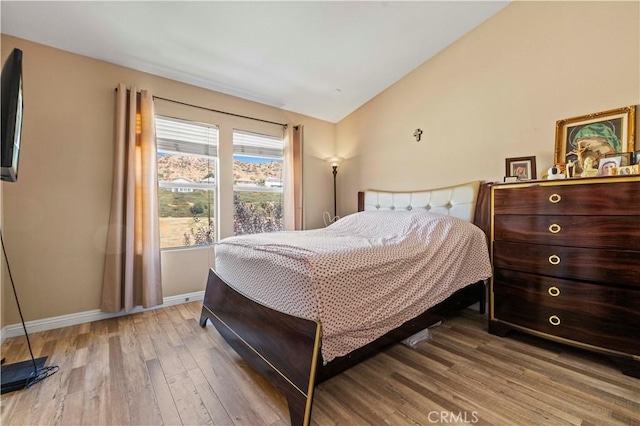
360 277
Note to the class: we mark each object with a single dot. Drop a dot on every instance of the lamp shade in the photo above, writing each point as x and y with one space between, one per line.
335 161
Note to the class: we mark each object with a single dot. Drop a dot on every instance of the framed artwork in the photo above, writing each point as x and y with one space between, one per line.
595 136
625 158
523 168
627 170
608 165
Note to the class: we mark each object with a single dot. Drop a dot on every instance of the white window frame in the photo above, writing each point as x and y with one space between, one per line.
172 141
258 145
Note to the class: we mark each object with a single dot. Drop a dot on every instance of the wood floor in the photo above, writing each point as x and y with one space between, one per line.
160 367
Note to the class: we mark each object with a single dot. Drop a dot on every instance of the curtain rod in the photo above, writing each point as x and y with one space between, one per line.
215 110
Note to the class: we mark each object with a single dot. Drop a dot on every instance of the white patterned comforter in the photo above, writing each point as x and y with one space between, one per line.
360 277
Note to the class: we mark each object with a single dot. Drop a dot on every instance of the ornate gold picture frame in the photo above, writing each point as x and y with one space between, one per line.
594 136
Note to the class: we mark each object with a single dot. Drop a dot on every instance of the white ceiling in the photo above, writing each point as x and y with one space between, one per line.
319 58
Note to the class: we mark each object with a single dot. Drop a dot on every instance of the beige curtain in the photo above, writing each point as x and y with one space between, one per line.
132 264
293 178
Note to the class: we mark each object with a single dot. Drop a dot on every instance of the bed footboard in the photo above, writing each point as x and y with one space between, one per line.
282 348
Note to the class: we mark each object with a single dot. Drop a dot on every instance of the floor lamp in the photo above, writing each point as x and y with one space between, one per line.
335 162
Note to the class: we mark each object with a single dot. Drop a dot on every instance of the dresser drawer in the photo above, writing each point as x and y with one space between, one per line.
588 313
620 267
603 199
578 231
571 295
581 327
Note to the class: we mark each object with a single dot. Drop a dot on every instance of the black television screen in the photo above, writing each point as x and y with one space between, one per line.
11 115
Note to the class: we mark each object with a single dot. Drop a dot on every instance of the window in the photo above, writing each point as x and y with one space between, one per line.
187 158
257 186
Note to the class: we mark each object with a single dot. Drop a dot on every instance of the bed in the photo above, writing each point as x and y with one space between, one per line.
292 320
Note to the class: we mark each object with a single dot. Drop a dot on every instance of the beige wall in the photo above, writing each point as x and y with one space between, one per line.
495 93
55 216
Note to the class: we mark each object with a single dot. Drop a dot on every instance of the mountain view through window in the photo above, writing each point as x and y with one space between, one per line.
187 171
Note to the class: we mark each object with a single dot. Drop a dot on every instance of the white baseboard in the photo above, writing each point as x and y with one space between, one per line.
45 324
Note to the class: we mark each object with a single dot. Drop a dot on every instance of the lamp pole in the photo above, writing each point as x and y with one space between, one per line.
335 162
335 199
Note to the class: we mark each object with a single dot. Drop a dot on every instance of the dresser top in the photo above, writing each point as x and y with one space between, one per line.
570 181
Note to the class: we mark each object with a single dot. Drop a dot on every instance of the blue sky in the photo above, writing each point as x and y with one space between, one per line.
253 159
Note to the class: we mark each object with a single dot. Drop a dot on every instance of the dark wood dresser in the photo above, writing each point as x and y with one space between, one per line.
566 258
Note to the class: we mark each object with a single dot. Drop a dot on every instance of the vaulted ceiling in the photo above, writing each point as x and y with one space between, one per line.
319 58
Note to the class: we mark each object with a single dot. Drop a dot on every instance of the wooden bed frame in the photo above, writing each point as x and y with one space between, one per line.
286 349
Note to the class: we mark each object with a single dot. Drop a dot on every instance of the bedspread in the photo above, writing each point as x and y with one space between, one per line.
360 277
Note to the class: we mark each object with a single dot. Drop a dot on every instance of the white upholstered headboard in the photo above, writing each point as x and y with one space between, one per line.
458 201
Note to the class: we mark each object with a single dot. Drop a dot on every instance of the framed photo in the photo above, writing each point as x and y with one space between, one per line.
628 170
524 168
594 136
624 158
608 165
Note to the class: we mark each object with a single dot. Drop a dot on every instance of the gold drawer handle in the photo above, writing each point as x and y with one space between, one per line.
554 291
554 259
555 198
555 228
554 320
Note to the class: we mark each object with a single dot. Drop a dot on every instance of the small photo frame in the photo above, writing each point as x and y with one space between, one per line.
628 170
625 158
508 179
523 168
607 165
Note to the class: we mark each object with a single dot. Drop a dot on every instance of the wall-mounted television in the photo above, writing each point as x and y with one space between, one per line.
11 115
